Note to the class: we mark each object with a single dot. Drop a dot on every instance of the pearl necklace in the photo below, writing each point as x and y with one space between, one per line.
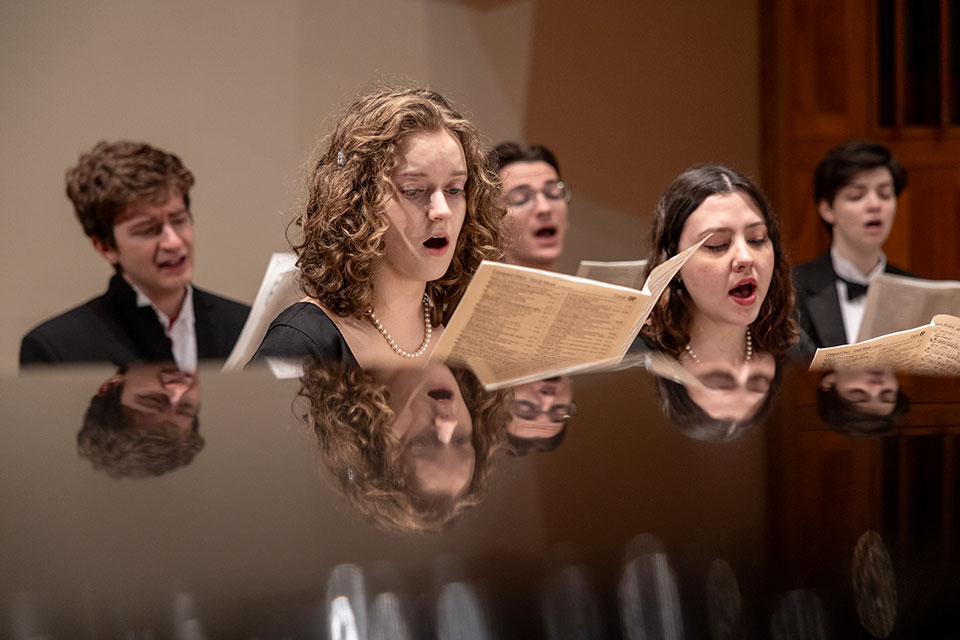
747 350
427 332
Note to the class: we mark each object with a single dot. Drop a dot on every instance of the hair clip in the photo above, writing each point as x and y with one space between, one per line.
341 158
351 474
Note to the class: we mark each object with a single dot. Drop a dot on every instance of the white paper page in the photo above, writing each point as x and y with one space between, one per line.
278 290
626 273
896 303
901 351
660 277
942 354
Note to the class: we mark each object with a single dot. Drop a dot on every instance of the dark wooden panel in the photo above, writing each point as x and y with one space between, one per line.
820 88
932 215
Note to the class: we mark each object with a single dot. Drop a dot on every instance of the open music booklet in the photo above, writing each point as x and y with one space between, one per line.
516 324
933 350
897 303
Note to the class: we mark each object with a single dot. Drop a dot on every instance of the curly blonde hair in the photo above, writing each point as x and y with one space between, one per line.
349 412
343 220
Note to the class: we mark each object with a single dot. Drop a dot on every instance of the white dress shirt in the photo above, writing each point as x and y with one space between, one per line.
183 337
852 310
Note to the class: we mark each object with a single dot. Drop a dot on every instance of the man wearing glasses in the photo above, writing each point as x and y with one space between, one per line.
536 200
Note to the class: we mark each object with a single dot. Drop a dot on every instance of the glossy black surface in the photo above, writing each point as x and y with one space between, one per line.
629 528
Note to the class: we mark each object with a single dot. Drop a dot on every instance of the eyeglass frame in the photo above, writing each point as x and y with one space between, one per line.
562 187
569 411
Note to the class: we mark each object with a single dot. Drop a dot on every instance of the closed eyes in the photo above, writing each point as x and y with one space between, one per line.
416 192
720 248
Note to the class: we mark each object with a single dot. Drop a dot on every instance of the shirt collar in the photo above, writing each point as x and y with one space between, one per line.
186 309
846 269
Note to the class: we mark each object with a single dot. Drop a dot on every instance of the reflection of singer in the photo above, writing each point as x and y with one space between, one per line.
411 449
861 402
540 413
730 400
143 421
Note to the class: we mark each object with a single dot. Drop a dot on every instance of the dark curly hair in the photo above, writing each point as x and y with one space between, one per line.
348 410
343 221
112 175
774 330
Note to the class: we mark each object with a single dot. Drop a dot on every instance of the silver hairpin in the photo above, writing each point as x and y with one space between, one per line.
341 158
351 474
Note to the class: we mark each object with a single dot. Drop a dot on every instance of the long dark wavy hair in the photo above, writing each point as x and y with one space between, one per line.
775 329
343 220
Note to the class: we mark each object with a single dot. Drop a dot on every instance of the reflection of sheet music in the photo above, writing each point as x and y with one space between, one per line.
896 303
516 324
278 290
933 349
626 273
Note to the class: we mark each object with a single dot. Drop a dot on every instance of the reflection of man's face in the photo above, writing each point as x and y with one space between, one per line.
434 428
163 392
539 407
872 391
733 391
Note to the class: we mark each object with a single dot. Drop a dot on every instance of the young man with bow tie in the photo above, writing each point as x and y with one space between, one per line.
855 187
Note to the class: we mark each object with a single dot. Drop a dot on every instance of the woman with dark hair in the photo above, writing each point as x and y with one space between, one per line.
411 449
401 209
733 298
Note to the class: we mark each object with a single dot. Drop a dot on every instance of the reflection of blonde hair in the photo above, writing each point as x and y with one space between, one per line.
130 444
343 221
349 412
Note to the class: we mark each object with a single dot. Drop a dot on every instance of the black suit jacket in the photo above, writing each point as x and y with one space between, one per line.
112 328
817 302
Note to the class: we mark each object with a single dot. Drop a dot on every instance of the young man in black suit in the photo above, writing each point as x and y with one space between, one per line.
133 202
855 188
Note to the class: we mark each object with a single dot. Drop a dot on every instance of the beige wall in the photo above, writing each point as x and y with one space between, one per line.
627 93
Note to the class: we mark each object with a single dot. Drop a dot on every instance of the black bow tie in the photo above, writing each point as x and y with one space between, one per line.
855 289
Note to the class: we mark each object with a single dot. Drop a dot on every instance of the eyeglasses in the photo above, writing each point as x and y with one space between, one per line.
525 196
556 413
